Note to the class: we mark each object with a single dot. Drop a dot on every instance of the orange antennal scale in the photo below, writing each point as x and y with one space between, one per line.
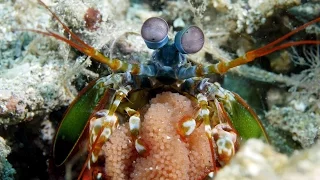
223 67
57 36
279 40
286 45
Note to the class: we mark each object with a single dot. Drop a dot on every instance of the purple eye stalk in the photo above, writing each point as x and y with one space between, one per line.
189 40
154 32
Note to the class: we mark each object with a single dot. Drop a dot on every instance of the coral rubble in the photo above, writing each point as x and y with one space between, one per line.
6 170
303 127
36 72
249 15
256 160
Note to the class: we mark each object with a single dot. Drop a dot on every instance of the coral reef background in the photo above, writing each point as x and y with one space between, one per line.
40 76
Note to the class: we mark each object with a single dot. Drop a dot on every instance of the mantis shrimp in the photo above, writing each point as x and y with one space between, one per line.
96 111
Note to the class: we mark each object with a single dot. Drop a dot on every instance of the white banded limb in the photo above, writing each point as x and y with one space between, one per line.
222 138
134 126
103 124
226 140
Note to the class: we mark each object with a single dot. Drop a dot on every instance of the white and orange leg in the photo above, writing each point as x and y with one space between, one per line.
186 126
101 127
134 126
222 137
204 116
225 138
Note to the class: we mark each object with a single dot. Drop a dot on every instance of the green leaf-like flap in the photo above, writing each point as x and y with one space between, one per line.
90 99
245 121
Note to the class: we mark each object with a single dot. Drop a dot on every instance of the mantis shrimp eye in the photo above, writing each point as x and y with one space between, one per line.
154 31
190 40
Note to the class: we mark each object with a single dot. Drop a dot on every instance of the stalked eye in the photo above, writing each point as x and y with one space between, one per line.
189 40
154 31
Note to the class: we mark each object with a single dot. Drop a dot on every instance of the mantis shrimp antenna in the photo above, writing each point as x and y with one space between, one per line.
223 67
76 42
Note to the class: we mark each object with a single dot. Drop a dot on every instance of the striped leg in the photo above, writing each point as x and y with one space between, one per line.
186 126
225 139
203 116
220 133
224 135
134 125
103 124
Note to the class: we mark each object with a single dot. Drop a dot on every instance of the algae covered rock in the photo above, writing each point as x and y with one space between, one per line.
257 160
6 170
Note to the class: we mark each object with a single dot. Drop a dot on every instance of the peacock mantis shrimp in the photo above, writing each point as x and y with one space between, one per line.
95 112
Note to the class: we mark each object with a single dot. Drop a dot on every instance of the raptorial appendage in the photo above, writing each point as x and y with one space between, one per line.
210 98
224 116
225 138
105 121
134 126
